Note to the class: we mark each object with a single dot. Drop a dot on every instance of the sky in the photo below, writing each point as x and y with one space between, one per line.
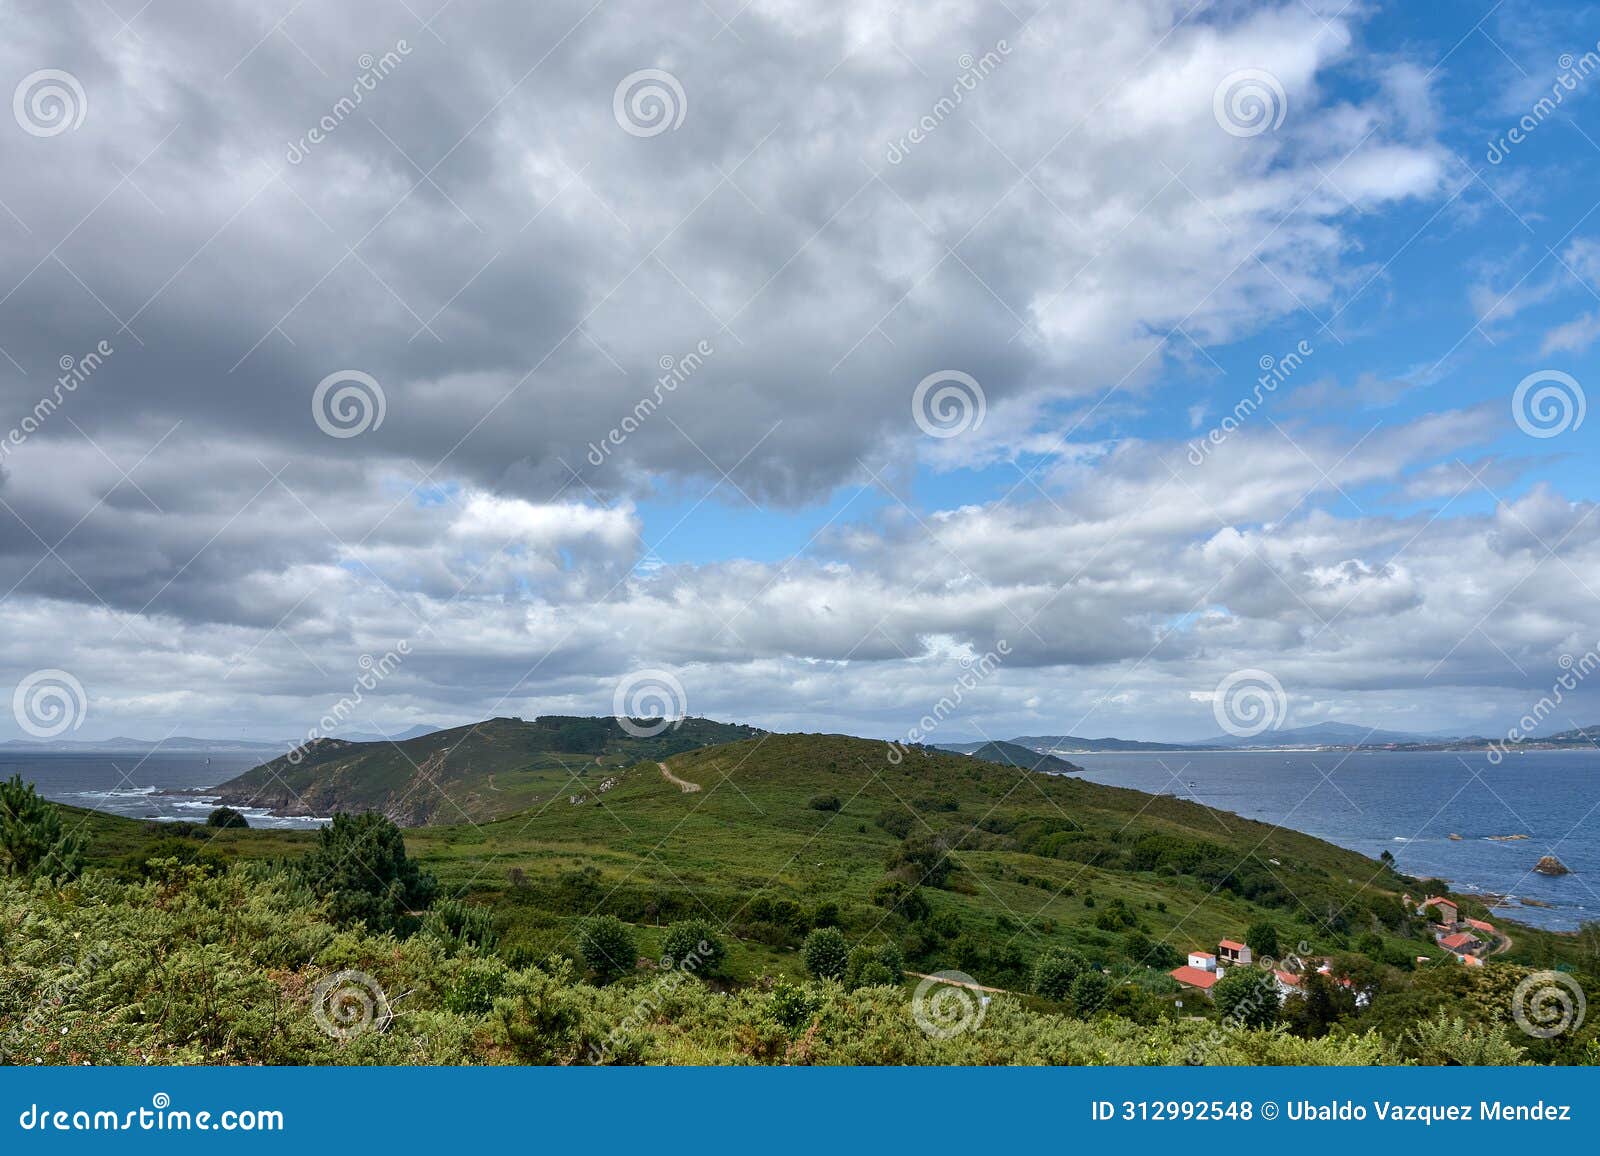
1104 367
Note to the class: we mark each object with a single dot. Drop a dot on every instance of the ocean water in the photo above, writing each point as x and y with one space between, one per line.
1409 804
131 785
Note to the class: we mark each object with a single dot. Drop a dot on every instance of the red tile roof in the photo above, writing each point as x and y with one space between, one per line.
1194 976
1482 926
1288 977
1458 940
1231 945
1442 901
1203 954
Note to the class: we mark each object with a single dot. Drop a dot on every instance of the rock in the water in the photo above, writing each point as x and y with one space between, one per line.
1550 865
1455 837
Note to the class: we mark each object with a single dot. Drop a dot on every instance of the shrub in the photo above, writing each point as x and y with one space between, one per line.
1089 992
1146 952
1263 938
457 924
826 954
606 944
226 817
694 946
874 967
1247 997
825 914
900 896
32 842
897 823
790 1005
923 860
1055 971
360 866
824 803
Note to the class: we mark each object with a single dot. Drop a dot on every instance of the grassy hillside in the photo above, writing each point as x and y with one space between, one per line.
958 863
466 774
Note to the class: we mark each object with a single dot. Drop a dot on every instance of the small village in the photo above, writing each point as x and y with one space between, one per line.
1469 941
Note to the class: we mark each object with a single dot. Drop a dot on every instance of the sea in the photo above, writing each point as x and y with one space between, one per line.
1411 804
134 784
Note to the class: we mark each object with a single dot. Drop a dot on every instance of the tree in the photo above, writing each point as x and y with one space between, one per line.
1247 998
360 866
824 803
874 967
1263 938
694 946
826 954
1323 1003
606 944
226 817
1090 991
1055 971
32 841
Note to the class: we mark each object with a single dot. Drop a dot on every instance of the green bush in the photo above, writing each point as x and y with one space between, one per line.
825 953
790 1005
360 866
924 860
1089 992
226 817
824 803
1247 997
607 947
1055 971
32 839
458 925
874 966
695 946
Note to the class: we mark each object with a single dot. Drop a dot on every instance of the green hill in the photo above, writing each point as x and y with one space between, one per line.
1013 755
465 774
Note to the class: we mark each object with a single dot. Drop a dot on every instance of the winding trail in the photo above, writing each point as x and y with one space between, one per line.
683 785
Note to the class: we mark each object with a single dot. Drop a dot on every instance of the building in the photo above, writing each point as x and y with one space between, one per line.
1201 971
1231 951
1442 909
1480 925
1463 945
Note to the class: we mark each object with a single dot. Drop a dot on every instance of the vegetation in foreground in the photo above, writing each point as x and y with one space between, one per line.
248 967
808 881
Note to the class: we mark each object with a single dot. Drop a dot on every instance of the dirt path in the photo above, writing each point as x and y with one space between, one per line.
683 785
968 986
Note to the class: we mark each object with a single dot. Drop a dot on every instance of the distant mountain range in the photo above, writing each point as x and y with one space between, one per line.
122 745
1328 734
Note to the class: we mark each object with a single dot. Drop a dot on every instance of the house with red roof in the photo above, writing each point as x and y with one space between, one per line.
1480 925
1463 945
1231 951
1201 971
1442 909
